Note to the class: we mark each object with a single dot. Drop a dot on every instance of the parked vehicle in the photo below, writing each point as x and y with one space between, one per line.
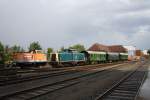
72 57
112 56
94 56
123 56
35 57
67 57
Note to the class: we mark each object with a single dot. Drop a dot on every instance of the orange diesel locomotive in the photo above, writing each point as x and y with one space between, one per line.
35 57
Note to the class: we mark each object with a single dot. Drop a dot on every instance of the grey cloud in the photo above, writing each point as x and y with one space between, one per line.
56 23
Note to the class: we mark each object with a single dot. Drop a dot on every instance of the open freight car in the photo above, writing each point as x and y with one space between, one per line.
35 57
66 58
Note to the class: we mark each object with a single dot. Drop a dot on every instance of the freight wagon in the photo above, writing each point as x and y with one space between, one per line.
35 57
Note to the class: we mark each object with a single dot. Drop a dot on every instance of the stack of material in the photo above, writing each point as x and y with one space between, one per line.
139 54
113 48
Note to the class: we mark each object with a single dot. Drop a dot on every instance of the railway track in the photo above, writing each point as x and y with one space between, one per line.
6 73
127 88
37 74
32 70
42 90
19 79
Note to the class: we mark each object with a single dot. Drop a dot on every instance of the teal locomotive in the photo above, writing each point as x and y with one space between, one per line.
67 57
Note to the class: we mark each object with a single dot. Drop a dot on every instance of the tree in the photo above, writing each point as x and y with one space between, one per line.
148 51
1 53
49 50
35 46
8 54
22 50
16 48
62 48
7 49
78 47
1 48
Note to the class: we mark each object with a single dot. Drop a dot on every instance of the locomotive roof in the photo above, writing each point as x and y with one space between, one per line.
30 51
69 50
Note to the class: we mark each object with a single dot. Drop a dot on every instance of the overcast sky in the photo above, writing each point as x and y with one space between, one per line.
57 23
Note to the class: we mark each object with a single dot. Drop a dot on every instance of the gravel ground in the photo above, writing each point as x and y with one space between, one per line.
9 89
89 87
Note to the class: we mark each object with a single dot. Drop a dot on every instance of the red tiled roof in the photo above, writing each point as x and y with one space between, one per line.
117 48
112 48
98 47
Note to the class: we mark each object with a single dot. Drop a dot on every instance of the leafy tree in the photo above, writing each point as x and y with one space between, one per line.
49 50
35 46
8 53
22 50
78 47
1 53
1 48
62 48
7 49
148 51
16 48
